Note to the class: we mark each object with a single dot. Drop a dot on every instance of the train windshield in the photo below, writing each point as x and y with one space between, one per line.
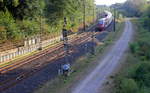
101 22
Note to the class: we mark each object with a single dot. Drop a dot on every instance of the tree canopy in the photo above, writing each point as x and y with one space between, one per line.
132 7
24 14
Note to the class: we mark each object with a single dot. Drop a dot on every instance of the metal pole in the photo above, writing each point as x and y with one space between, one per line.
98 13
84 11
93 36
93 14
92 48
65 67
114 20
84 23
65 39
40 47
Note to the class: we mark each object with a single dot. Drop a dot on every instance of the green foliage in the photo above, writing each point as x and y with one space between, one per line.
132 8
6 18
145 20
73 10
21 9
22 18
128 86
15 3
139 72
29 28
3 34
143 74
144 90
134 47
11 30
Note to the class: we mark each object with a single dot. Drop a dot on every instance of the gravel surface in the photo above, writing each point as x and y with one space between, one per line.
95 80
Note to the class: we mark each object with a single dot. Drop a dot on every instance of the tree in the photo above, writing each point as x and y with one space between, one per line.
26 15
10 28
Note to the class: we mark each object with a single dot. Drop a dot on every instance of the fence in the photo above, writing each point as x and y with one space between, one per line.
30 45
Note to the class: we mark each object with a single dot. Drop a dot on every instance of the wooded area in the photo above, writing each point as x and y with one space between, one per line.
132 8
23 18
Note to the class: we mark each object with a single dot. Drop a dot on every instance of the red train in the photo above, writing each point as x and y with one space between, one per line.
105 21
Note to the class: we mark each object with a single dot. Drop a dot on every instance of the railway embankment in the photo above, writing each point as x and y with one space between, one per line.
30 47
83 65
12 77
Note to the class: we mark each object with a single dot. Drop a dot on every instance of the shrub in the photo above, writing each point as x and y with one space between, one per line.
143 74
147 79
15 3
134 47
128 86
144 90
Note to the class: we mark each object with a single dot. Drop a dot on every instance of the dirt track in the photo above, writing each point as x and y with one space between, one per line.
94 81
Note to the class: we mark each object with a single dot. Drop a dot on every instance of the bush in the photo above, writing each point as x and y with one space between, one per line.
143 74
141 47
147 79
128 86
134 47
131 72
145 90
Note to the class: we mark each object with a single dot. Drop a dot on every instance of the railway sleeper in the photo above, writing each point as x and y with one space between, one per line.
20 77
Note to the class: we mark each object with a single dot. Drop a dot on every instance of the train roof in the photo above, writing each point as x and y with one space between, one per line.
109 14
102 19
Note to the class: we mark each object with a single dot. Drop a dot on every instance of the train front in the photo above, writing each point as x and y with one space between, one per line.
101 24
104 21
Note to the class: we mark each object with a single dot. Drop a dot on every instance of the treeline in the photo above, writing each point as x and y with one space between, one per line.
132 8
136 77
22 18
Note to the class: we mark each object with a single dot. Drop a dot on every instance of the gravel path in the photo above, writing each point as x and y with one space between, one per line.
95 80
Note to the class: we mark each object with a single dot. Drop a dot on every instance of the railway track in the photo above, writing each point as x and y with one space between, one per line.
47 53
29 59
